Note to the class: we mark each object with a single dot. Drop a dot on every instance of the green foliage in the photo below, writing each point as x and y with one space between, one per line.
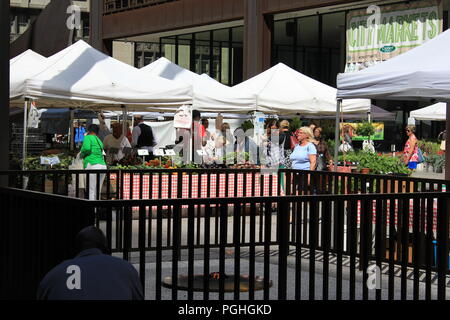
247 124
381 164
295 124
349 157
331 144
365 129
436 160
378 164
34 162
429 147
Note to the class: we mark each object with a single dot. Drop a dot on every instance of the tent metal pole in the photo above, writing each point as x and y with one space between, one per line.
71 130
336 136
25 127
447 144
125 118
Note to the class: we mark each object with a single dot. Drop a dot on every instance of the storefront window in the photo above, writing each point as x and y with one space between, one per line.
237 55
312 45
202 52
284 42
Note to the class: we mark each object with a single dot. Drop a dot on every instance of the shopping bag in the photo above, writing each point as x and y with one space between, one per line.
345 147
77 164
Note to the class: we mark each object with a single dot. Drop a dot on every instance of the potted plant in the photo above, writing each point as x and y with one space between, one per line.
367 162
439 163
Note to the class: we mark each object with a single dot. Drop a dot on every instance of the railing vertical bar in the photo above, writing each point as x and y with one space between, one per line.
417 249
170 208
223 243
298 251
151 208
199 207
429 247
312 248
267 240
245 207
175 249
366 207
283 240
142 235
339 221
251 289
237 246
405 247
216 220
353 239
378 236
326 238
190 231
442 246
127 232
158 276
206 255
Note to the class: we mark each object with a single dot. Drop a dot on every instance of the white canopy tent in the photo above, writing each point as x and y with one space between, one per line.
81 76
284 90
22 67
209 95
421 73
435 112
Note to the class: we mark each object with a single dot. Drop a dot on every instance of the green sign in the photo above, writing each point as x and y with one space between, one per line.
390 31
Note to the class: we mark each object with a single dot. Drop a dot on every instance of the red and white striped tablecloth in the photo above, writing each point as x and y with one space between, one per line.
200 186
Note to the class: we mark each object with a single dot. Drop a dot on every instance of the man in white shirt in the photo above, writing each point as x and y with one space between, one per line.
115 142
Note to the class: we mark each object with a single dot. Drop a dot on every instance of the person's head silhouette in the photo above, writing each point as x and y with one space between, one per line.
91 237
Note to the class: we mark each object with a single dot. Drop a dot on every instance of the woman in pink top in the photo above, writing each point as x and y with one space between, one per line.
410 153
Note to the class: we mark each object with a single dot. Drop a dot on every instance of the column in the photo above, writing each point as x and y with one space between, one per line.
258 31
5 29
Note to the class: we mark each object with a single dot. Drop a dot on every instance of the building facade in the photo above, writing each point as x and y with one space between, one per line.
233 40
24 13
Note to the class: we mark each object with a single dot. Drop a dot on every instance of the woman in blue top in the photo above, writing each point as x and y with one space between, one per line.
304 155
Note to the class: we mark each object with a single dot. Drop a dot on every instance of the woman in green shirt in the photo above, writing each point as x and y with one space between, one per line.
93 159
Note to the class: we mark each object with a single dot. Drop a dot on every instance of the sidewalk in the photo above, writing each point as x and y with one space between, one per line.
428 175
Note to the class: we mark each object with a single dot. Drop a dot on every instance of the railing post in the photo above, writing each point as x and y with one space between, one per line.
442 245
283 238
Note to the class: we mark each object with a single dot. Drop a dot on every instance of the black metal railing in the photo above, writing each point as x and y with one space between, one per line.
38 232
113 6
206 183
277 238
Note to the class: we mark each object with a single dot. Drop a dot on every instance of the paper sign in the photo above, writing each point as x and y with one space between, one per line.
50 160
201 153
170 152
143 152
158 152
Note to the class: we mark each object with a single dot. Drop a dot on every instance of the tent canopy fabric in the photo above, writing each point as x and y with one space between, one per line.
418 74
284 90
435 112
21 68
209 95
376 113
82 76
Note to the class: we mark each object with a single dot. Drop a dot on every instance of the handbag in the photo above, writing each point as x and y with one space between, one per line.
294 141
420 157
